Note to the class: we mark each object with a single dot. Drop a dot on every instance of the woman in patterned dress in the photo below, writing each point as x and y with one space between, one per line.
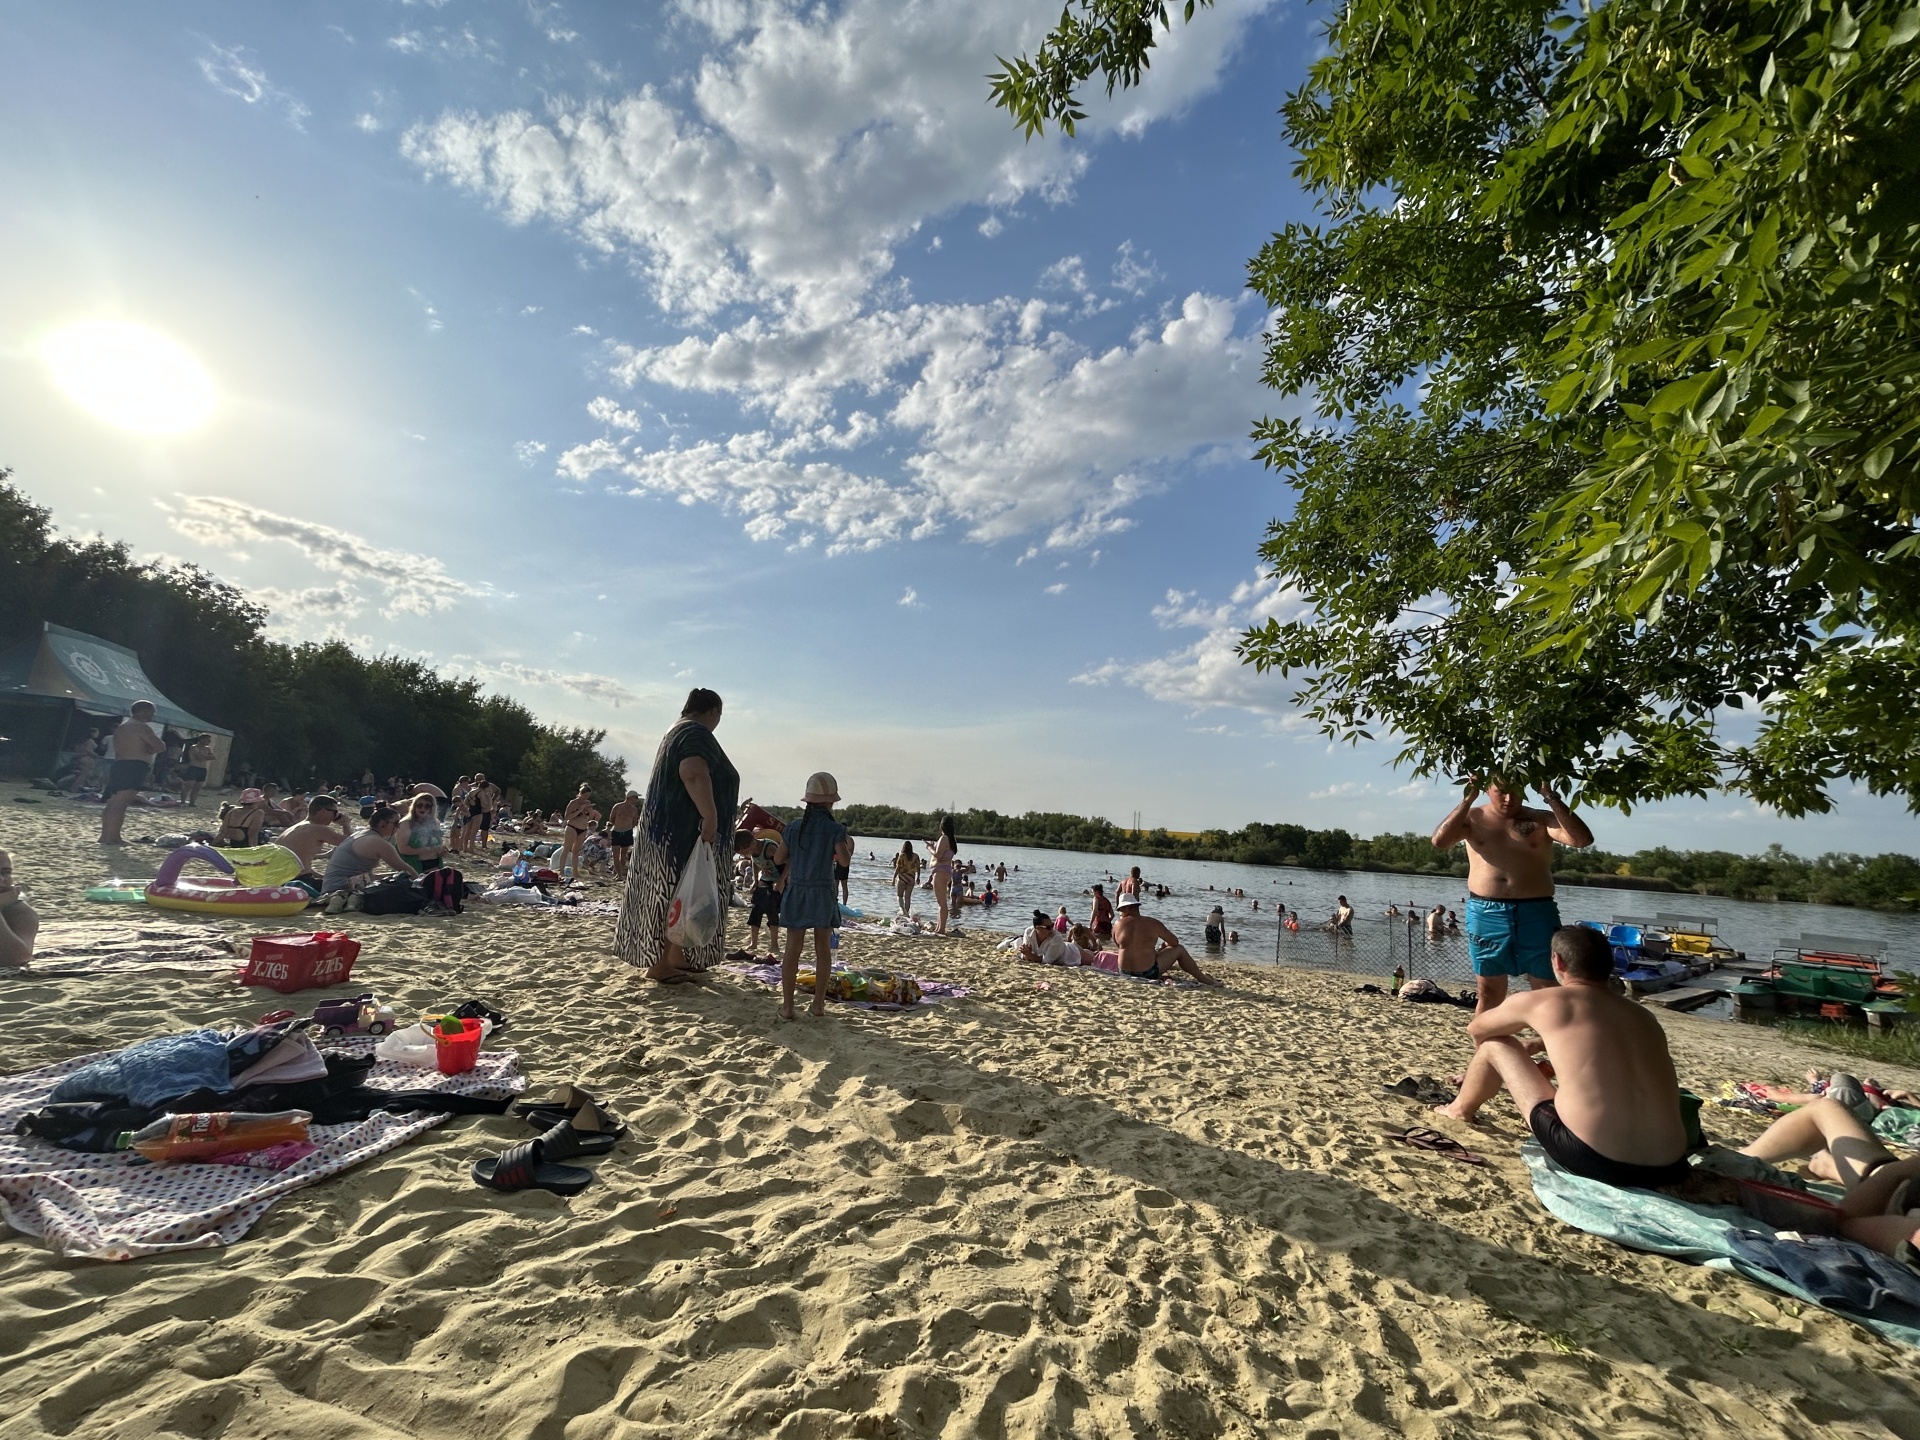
691 799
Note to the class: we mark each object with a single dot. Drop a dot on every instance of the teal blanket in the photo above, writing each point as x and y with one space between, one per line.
1648 1220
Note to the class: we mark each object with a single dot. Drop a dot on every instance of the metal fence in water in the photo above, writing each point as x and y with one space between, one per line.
1376 946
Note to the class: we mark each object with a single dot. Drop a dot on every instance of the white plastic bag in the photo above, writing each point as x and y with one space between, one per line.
694 918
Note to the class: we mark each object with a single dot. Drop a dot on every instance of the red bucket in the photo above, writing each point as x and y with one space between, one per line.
456 1054
287 963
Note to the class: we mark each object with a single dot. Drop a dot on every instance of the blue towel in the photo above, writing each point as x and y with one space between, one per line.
152 1072
1699 1234
1840 1274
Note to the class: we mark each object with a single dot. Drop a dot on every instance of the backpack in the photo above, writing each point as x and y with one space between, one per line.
395 895
444 886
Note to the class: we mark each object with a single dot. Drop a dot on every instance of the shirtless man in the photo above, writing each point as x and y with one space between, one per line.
1616 1115
488 806
621 821
323 826
578 819
134 743
1148 948
1510 910
19 922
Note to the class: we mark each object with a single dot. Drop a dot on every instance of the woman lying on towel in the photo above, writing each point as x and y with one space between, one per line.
1882 1207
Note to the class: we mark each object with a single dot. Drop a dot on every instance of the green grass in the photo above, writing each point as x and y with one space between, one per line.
1900 1046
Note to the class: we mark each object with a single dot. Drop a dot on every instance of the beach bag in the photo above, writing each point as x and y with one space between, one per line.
444 885
394 896
694 918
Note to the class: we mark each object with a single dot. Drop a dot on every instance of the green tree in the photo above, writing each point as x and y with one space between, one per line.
1611 322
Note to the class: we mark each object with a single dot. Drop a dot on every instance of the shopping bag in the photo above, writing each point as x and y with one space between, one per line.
694 918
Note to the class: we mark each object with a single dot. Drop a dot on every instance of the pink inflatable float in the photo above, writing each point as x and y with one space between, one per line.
220 894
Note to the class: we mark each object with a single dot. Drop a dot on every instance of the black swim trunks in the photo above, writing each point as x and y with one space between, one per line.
841 872
1570 1152
766 906
127 775
620 839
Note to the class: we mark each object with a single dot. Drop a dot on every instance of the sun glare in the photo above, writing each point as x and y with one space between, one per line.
130 376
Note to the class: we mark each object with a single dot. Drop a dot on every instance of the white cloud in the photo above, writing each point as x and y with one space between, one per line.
812 143
992 226
608 412
912 599
229 71
367 122
808 144
530 450
413 584
1208 673
601 689
1010 434
320 602
1058 588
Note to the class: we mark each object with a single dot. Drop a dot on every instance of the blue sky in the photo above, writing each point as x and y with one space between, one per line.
602 350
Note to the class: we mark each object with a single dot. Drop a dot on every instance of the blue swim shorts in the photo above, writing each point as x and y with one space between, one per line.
1512 937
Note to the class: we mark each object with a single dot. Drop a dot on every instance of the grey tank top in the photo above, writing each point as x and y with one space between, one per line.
346 863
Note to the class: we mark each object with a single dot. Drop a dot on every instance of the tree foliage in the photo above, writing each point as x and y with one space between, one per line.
1611 324
298 712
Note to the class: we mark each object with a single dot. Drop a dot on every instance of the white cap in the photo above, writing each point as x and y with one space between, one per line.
1129 899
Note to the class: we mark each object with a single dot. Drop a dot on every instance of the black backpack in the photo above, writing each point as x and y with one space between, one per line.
444 886
396 895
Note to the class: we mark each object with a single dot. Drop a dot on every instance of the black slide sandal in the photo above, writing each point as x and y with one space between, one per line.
525 1167
563 1101
592 1130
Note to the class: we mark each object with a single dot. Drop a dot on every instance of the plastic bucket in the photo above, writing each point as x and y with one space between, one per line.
456 1054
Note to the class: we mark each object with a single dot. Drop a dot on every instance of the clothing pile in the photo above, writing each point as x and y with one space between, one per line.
65 1177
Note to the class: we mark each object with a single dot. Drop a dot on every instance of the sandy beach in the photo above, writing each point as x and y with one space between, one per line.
1064 1205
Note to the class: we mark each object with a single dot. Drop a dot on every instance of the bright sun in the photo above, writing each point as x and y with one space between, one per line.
130 376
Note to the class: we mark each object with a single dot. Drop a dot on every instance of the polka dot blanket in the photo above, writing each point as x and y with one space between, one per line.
119 1207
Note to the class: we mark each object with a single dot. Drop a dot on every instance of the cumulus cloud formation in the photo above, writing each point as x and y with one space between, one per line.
230 72
412 584
1012 432
1208 674
774 188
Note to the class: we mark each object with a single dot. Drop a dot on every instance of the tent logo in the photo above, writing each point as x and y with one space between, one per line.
85 664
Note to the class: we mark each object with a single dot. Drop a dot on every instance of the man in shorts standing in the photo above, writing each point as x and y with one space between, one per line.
1511 915
135 742
621 821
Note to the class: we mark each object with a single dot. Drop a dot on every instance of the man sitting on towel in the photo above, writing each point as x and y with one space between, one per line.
19 922
1149 949
1616 1115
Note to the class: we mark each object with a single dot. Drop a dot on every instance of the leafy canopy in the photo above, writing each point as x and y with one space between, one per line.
1611 324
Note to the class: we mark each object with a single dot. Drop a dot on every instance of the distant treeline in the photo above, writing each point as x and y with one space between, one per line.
299 713
1881 882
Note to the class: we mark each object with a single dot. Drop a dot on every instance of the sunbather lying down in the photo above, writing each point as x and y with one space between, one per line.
1882 1205
1862 1097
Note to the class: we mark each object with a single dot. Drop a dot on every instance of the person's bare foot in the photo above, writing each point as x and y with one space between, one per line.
1453 1111
786 1012
819 1008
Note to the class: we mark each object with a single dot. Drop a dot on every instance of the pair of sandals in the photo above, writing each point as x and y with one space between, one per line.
572 1125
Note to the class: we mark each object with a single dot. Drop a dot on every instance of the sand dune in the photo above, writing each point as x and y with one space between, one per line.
1094 1209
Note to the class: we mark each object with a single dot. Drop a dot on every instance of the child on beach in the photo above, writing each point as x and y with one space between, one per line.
810 848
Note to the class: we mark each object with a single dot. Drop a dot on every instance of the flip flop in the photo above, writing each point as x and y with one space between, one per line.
564 1101
588 1131
1438 1144
525 1167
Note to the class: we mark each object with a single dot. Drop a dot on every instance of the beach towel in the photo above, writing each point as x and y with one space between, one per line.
94 949
1898 1125
932 992
1720 1237
118 1207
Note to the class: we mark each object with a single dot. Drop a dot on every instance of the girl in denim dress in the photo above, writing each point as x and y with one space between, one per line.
809 849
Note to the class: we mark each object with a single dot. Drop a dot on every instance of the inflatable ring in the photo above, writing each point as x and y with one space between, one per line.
220 894
263 865
119 894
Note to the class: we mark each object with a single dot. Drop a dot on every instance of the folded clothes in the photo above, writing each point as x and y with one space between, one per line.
153 1071
1838 1274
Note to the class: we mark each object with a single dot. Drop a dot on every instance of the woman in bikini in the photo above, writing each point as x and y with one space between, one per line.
241 823
944 847
579 820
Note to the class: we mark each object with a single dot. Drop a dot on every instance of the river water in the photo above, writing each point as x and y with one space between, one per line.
1047 879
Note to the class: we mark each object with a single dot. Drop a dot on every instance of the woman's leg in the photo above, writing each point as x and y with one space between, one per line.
903 892
822 968
1823 1126
789 972
942 892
